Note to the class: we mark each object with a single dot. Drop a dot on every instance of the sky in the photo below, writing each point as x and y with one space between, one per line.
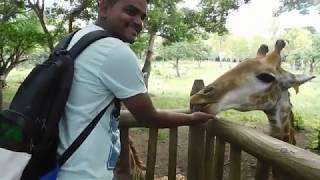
256 18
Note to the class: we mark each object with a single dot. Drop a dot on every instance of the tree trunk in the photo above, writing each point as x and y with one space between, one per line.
70 24
71 18
40 14
1 93
146 70
199 63
177 67
311 70
318 148
305 65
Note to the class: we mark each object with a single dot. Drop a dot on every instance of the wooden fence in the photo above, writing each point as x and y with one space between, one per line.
206 149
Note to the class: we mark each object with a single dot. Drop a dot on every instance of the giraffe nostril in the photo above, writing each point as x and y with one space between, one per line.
208 90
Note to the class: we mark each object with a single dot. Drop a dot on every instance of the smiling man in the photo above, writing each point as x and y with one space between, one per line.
107 70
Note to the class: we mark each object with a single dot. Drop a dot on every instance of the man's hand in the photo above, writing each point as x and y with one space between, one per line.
201 117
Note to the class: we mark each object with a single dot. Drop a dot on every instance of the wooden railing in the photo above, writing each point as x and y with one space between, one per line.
126 122
207 146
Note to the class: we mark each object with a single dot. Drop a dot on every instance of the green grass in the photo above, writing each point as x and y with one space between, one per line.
170 92
14 79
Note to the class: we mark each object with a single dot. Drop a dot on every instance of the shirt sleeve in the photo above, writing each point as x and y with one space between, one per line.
121 73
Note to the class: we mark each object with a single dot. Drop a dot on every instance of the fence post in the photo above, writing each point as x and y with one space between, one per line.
262 171
173 146
218 161
196 145
125 169
152 153
209 154
235 166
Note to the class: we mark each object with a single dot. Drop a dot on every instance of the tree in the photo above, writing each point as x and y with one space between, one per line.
236 47
217 41
185 50
16 40
231 46
299 41
9 9
199 52
57 14
140 45
175 51
301 5
165 19
18 35
312 54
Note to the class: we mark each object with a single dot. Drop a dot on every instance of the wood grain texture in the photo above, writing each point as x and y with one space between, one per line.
290 159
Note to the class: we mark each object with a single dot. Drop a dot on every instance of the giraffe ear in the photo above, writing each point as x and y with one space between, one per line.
266 77
301 79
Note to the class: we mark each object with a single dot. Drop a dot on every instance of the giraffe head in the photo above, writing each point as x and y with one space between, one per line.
254 84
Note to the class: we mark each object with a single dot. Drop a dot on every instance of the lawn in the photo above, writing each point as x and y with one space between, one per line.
170 92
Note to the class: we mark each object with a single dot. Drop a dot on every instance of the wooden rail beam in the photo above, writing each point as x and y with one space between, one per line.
290 159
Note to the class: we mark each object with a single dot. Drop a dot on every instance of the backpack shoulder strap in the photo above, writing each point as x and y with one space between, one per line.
63 44
83 136
85 41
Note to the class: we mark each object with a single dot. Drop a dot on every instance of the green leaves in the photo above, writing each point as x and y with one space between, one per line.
140 44
301 5
10 9
181 24
17 39
214 13
186 50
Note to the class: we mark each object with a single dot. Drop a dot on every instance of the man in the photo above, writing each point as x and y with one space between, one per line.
108 69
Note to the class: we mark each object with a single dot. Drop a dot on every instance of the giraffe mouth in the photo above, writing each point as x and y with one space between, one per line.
210 108
203 103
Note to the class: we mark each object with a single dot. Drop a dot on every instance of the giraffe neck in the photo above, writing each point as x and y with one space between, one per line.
281 119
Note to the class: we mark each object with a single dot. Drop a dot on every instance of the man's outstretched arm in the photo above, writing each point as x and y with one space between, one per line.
141 107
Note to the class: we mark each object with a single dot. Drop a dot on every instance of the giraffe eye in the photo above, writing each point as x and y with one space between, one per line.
266 77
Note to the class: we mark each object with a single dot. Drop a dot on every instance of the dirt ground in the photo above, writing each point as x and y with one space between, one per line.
248 162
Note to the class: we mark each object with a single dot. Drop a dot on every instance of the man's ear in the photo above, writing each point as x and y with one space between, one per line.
102 10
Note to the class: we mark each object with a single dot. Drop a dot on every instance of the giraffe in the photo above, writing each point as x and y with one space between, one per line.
258 83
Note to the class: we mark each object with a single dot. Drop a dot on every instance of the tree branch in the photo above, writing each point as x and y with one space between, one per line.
1 54
39 12
42 6
77 10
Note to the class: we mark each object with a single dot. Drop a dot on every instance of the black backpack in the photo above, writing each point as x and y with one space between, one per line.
30 124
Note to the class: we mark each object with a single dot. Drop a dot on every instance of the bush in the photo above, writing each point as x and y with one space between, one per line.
298 121
314 141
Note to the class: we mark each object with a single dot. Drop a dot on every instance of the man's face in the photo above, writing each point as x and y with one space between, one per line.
125 19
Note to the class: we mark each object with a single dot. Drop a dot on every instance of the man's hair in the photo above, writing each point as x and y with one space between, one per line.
110 3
